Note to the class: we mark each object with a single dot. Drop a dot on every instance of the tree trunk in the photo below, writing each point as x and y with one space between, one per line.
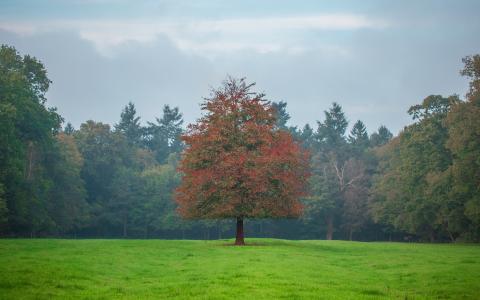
125 226
350 234
329 227
30 161
219 227
239 238
452 239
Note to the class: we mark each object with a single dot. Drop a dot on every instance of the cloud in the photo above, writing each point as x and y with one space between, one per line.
207 37
374 68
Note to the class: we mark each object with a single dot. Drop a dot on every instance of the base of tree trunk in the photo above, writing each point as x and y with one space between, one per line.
239 239
329 228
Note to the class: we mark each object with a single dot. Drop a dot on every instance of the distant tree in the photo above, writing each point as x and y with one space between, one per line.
331 133
104 153
463 122
159 183
358 137
67 204
164 136
381 137
236 165
328 166
69 129
281 114
282 117
125 192
355 196
472 70
27 133
129 125
307 137
3 210
403 194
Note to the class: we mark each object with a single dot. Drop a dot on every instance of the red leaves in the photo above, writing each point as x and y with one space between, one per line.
236 164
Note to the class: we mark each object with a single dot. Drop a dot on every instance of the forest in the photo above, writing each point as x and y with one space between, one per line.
103 181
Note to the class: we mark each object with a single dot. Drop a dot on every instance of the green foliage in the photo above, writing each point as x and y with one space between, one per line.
463 142
339 187
69 129
358 137
129 125
381 137
414 191
163 138
281 114
26 135
472 71
67 206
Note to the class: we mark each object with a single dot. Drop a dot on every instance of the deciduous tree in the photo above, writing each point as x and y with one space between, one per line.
236 164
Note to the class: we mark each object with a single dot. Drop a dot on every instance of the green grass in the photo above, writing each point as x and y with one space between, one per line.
140 269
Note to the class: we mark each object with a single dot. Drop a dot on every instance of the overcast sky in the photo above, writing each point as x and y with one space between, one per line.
375 58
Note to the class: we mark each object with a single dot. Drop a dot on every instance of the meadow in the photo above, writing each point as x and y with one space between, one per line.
266 269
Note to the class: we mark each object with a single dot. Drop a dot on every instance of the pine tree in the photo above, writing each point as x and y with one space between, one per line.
129 125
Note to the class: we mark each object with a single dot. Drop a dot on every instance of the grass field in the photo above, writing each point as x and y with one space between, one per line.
140 269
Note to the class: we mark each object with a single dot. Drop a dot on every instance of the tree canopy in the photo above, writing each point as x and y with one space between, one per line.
236 165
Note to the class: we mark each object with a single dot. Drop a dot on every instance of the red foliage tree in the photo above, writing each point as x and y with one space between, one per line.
237 164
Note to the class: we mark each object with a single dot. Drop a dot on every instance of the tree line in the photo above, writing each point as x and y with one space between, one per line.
113 181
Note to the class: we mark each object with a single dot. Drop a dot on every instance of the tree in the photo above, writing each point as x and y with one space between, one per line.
159 183
358 137
381 137
125 193
69 129
406 193
129 125
331 133
27 131
164 136
355 196
472 71
67 204
281 114
328 166
104 153
236 165
307 137
463 122
3 210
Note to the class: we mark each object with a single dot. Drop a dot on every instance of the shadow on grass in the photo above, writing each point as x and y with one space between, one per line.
247 244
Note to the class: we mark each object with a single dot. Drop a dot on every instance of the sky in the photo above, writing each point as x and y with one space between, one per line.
375 58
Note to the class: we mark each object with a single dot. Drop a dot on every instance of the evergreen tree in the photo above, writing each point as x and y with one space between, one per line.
129 125
69 129
164 136
307 137
281 114
358 137
381 137
328 166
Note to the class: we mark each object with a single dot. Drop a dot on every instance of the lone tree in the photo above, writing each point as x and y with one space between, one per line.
238 163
